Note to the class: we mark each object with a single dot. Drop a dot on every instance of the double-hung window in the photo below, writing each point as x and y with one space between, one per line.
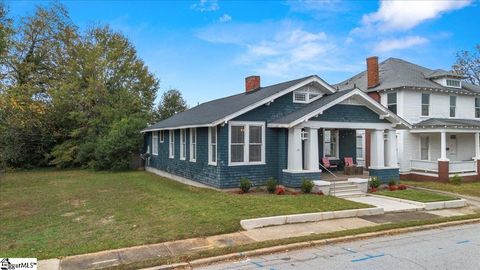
193 144
424 148
212 146
477 107
453 105
171 143
247 143
392 102
330 143
425 104
359 143
183 144
155 143
162 136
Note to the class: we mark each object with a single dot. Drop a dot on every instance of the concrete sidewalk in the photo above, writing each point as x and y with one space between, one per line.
111 258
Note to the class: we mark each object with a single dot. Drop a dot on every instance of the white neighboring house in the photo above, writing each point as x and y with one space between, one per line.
443 110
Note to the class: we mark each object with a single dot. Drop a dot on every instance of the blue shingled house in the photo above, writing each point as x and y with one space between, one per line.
282 131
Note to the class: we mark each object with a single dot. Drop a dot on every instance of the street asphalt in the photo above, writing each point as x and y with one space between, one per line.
448 248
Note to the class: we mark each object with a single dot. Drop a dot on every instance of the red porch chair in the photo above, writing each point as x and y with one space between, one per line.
326 163
349 162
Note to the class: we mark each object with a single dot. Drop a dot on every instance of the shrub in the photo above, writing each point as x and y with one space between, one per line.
374 182
271 185
402 187
319 193
280 190
373 189
307 186
456 179
392 182
392 187
245 185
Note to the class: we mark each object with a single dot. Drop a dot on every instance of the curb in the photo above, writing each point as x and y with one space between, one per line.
255 223
274 249
428 206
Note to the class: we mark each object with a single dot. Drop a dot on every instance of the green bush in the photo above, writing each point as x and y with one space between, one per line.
456 179
392 182
374 182
245 185
307 186
271 185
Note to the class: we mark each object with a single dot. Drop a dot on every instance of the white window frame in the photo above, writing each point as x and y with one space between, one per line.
454 107
476 108
155 143
336 132
421 103
459 85
395 103
307 94
183 144
429 147
171 143
193 144
246 143
162 136
210 145
360 136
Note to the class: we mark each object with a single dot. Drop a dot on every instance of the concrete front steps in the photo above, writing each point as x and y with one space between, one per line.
345 189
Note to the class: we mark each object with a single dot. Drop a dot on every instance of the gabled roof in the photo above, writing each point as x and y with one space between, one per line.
398 73
221 110
442 73
448 123
327 101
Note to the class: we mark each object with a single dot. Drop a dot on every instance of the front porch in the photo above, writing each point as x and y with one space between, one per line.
445 153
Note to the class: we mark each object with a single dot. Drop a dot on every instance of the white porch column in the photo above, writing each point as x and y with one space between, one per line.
391 158
311 149
377 158
295 149
477 145
443 145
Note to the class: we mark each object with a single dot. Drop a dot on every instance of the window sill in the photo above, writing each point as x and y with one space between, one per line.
183 159
171 157
154 154
193 160
212 163
246 163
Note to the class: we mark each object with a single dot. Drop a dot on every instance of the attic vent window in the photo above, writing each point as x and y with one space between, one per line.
300 97
305 96
453 83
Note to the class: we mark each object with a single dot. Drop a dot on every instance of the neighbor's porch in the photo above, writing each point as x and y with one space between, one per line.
443 154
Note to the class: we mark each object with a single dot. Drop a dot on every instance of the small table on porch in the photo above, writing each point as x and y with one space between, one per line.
353 170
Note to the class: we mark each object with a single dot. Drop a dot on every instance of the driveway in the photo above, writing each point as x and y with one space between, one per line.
388 205
446 248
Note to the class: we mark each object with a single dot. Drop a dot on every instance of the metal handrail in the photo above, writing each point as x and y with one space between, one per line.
334 176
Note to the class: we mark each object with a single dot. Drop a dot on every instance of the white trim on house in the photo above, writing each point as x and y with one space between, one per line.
183 144
210 145
155 143
257 104
246 143
336 134
447 130
193 144
369 102
340 125
171 143
162 136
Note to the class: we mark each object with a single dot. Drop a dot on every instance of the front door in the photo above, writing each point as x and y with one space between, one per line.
452 147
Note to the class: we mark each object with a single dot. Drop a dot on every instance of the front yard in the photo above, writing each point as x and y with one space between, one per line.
472 189
416 195
48 214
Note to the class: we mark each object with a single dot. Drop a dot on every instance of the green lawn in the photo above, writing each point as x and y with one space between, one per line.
416 195
472 189
48 214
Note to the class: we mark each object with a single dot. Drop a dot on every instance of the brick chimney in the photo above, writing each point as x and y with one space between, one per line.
252 83
372 72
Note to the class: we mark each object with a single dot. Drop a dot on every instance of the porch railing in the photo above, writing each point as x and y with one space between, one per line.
334 176
462 166
424 165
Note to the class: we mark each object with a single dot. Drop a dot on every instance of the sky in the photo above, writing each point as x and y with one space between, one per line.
206 48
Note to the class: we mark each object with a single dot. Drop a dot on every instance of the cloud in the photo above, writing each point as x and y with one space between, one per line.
205 5
225 18
280 49
399 43
404 15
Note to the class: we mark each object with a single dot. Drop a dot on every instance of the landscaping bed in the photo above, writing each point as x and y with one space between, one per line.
48 214
471 189
416 195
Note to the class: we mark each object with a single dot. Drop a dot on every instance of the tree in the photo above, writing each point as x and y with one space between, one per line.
468 64
171 103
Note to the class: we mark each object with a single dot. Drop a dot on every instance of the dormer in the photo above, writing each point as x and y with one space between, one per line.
446 78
